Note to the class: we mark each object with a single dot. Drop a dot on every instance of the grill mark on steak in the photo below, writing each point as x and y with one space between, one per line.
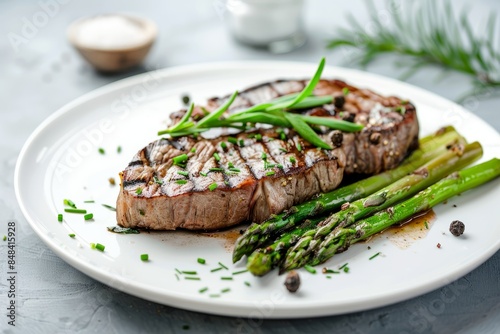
250 194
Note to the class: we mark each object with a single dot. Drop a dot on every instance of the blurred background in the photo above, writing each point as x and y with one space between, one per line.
40 71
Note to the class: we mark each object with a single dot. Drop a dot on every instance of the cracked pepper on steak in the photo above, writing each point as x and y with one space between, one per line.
253 194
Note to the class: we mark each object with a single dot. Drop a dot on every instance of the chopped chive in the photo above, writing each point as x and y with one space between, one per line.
89 201
328 276
112 208
183 173
214 295
283 150
4 237
212 186
236 170
88 216
119 149
374 256
345 91
310 269
178 271
92 245
346 269
70 203
343 266
203 290
223 145
193 150
330 271
75 210
215 269
60 217
239 272
180 159
232 140
138 191
426 225
241 142
177 276
216 169
201 261
123 230
203 174
101 150
280 166
181 181
282 136
299 147
216 156
226 278
71 235
223 266
157 180
292 160
270 173
225 290
144 257
189 272
230 165
258 137
247 283
192 278
100 247
263 156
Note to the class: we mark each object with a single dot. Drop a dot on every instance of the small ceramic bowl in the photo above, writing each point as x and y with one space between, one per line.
114 59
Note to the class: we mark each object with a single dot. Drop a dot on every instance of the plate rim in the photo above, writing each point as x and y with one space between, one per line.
224 308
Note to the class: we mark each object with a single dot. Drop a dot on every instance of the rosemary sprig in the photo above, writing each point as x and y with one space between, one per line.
427 33
276 112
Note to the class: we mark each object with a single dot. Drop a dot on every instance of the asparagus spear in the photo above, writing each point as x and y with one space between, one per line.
454 184
257 235
263 260
409 185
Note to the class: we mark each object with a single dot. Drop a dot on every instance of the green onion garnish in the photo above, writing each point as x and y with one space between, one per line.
75 210
178 271
283 150
270 173
71 235
112 208
193 150
92 245
216 169
123 230
426 225
241 142
88 216
258 137
230 165
100 247
212 186
183 173
225 290
4 237
177 276
203 174
192 278
70 203
232 140
101 150
345 91
138 191
203 290
240 272
144 257
343 266
189 272
119 149
89 201
330 271
280 166
157 180
292 160
201 261
346 269
236 170
216 156
215 269
247 283
180 159
263 156
215 295
328 276
60 217
282 135
299 147
310 269
374 256
223 145
226 278
223 266
181 181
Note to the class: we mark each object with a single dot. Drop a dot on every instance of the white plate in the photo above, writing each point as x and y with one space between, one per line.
61 160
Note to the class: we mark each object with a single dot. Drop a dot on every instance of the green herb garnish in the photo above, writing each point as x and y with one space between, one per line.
99 247
144 257
181 181
216 156
374 256
71 235
201 261
112 208
183 173
60 217
123 230
138 191
82 211
88 216
212 186
310 269
101 150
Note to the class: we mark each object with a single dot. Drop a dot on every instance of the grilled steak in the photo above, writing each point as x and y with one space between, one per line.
254 175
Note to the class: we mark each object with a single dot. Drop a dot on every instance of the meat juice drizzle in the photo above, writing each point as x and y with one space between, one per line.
409 231
229 236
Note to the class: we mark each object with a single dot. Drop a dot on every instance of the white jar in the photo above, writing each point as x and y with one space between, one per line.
273 24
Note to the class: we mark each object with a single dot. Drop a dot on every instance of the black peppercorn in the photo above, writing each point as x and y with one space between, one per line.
457 228
292 281
338 101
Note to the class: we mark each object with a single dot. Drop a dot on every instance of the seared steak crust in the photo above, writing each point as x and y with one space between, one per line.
264 172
